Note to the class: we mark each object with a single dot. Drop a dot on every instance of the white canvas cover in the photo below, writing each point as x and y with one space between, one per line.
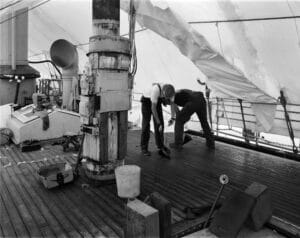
252 60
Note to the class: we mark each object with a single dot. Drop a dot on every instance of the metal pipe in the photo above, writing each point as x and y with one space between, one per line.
13 41
47 61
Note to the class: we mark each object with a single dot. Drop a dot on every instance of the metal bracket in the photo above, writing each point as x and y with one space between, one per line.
244 122
282 100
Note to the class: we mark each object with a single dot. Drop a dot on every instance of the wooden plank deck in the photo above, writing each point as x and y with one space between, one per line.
190 178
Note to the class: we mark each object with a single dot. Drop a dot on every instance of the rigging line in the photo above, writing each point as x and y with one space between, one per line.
161 59
44 66
10 5
219 36
53 22
45 55
245 19
47 61
295 21
28 10
37 54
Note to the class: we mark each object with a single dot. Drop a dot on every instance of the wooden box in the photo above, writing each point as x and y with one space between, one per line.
55 175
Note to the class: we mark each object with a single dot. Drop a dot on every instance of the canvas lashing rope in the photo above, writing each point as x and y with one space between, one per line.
288 121
133 63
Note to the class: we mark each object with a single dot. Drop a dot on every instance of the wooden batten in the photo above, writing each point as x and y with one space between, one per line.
122 134
103 137
112 136
142 220
165 215
91 147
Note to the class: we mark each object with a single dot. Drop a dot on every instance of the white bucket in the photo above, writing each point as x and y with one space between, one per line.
128 179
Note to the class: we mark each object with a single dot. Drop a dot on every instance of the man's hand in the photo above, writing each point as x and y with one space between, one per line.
171 121
160 128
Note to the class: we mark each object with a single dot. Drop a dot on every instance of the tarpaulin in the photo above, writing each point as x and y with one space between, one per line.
224 78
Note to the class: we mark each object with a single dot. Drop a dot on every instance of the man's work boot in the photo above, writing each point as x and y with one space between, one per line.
167 150
146 152
164 153
175 146
210 144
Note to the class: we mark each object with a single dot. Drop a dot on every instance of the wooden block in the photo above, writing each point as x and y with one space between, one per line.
142 220
164 208
232 215
262 209
122 140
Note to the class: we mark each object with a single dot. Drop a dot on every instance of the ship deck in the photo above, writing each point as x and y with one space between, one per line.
190 178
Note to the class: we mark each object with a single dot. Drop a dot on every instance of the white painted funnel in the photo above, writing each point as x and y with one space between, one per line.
64 54
14 58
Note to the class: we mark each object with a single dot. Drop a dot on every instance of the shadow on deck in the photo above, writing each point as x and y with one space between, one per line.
190 178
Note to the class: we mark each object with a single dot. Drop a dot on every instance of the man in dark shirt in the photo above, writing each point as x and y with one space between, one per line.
191 102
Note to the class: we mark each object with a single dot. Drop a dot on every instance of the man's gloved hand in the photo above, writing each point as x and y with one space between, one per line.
171 121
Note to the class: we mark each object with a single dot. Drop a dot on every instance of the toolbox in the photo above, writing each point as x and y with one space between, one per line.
55 175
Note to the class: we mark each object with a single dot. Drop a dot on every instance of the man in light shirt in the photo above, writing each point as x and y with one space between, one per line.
151 105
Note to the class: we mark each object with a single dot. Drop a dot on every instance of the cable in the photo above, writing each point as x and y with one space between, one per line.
45 54
28 10
244 20
10 5
161 59
219 36
295 21
47 20
46 61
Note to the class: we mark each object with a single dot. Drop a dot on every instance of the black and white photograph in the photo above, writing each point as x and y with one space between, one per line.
150 118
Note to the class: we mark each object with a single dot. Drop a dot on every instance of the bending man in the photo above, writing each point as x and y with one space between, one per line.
151 105
191 102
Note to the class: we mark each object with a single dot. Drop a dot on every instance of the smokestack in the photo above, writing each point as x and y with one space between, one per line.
14 46
14 58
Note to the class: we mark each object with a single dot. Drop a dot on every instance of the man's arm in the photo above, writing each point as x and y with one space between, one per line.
174 110
154 112
154 100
